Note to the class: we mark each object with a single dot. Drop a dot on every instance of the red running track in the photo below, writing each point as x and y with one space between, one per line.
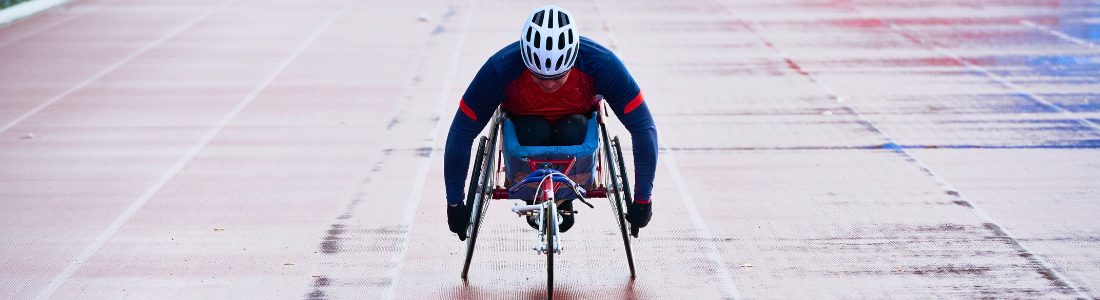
292 149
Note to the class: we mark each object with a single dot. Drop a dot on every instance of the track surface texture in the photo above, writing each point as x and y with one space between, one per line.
293 149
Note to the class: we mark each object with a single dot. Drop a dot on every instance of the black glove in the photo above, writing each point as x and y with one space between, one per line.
458 217
639 214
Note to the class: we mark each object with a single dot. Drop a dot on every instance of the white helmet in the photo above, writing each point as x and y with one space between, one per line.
549 41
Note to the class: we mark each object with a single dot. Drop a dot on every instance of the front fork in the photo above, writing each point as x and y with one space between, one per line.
544 211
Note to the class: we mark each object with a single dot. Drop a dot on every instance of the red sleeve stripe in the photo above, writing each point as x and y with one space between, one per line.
466 110
633 103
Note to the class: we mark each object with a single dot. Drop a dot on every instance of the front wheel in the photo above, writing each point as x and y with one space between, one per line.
550 219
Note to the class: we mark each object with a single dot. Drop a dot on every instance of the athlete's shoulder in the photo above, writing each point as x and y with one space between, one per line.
592 48
594 57
507 61
611 77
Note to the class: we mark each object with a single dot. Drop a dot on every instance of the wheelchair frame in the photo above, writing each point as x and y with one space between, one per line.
488 171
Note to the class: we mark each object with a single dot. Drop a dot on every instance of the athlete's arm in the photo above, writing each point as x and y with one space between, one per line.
643 135
475 110
624 96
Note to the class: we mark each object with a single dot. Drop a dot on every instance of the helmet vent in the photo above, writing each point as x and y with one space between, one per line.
538 18
549 43
550 21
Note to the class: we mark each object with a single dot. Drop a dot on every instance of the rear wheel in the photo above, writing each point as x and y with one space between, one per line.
474 198
617 194
629 198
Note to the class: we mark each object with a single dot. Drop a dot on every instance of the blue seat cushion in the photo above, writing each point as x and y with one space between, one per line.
516 158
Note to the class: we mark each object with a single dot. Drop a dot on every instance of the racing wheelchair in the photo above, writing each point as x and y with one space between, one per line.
545 177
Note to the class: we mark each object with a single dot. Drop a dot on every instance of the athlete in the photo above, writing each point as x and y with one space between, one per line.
548 82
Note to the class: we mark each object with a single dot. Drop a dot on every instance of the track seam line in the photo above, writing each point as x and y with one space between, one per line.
937 179
1058 33
109 69
422 171
113 228
699 224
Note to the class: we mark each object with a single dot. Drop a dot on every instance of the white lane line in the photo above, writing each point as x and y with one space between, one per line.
1016 88
109 69
699 224
425 162
975 208
1059 34
936 178
108 232
995 77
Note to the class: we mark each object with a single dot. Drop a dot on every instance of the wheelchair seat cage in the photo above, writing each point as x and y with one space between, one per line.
547 176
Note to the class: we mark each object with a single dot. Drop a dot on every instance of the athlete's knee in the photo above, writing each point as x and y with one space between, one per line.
532 130
571 130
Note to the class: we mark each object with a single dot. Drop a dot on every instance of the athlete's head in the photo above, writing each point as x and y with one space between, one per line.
549 42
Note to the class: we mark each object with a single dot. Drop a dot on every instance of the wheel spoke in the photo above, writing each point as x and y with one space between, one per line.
480 192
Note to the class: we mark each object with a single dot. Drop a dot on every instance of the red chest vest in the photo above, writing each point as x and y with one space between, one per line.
525 98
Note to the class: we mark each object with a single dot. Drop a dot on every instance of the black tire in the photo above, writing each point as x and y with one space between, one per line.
474 197
550 220
627 191
615 173
621 198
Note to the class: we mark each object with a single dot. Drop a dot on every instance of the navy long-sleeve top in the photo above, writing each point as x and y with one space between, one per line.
496 83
